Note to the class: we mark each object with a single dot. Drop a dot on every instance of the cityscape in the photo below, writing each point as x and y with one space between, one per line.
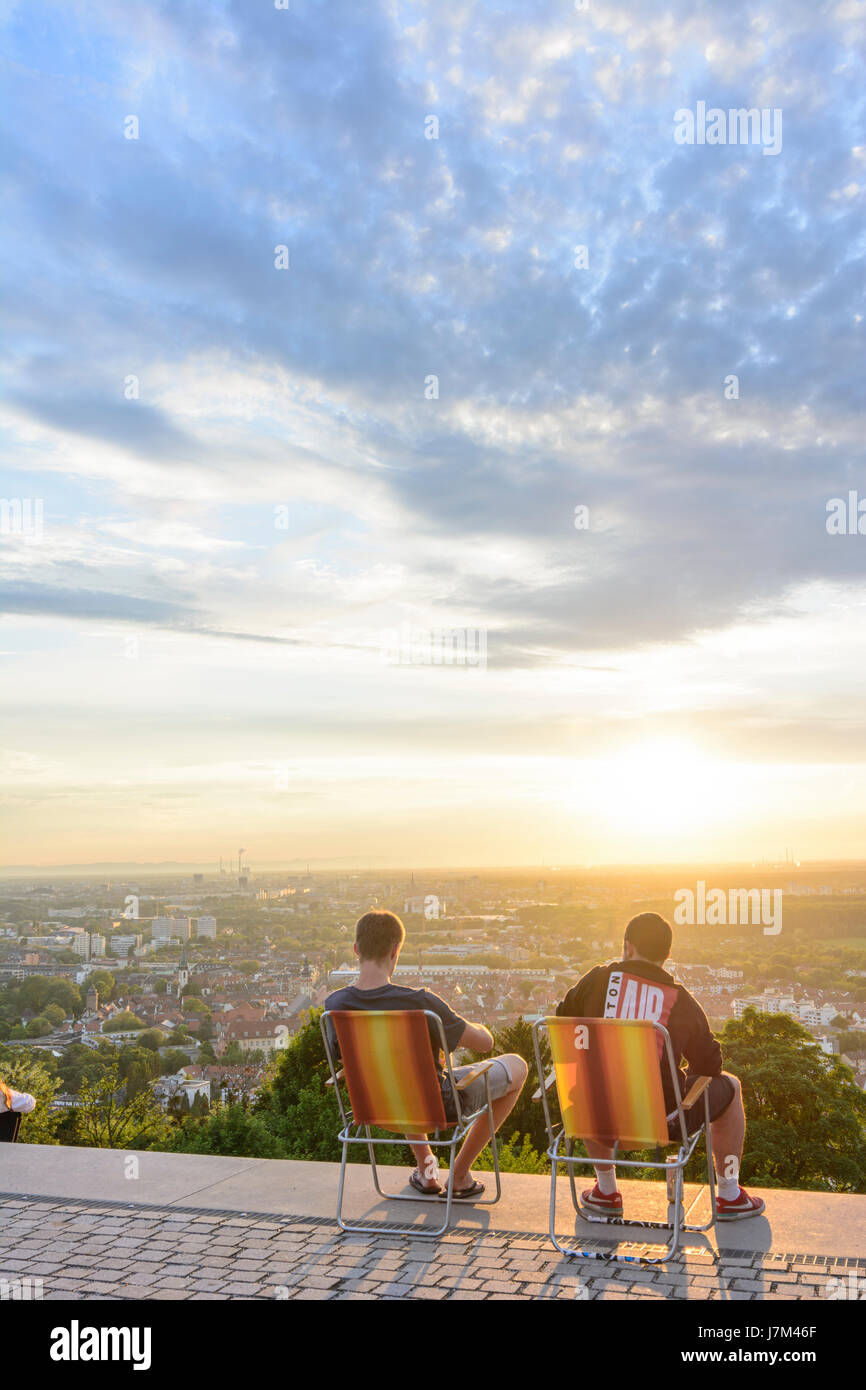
215 972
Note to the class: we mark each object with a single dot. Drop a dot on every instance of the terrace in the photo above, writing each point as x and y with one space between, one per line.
110 1224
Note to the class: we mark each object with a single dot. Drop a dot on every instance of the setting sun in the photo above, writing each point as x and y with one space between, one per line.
663 785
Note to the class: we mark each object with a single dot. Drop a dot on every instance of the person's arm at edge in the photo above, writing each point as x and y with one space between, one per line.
704 1054
574 1003
473 1035
22 1102
476 1037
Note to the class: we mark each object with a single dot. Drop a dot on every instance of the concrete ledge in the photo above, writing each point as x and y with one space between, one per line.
823 1224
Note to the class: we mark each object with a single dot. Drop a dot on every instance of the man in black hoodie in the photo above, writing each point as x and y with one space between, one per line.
638 987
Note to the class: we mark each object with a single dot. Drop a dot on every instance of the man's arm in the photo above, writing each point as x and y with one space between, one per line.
703 1051
476 1037
458 1032
22 1103
574 1003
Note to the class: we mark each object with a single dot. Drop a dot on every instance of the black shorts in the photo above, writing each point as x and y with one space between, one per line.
721 1093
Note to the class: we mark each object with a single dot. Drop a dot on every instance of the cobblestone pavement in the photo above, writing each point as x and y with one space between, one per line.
81 1249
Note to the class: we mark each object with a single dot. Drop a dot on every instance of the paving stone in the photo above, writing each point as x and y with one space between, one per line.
361 1285
465 1281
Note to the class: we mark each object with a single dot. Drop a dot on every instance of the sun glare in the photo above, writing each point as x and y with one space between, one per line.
662 785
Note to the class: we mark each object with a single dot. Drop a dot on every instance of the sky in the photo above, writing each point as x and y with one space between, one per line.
321 325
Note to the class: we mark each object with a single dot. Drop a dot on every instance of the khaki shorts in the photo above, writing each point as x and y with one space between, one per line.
475 1095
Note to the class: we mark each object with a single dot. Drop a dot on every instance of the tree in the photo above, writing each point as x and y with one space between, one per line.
122 1022
106 1119
229 1129
39 990
25 1071
55 1015
191 1005
806 1114
516 1155
38 1027
80 1063
173 1061
152 1038
137 1066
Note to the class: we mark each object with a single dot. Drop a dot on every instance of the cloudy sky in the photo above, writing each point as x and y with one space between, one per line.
247 491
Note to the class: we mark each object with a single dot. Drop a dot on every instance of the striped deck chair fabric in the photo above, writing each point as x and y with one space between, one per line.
608 1081
390 1075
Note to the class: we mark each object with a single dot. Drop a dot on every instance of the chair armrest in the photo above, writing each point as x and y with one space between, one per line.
478 1069
340 1075
548 1082
696 1091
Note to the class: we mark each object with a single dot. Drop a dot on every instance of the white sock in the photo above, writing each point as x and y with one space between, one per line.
729 1189
606 1179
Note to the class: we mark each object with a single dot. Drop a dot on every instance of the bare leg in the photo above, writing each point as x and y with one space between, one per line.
425 1160
728 1135
479 1133
600 1151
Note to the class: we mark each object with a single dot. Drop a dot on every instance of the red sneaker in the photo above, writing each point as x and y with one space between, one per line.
597 1200
741 1206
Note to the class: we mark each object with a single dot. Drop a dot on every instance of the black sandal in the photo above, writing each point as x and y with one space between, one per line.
460 1194
416 1181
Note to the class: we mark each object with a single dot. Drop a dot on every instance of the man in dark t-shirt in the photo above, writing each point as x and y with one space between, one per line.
638 987
379 938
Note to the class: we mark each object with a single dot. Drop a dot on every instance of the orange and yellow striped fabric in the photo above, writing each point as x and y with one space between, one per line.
390 1075
608 1080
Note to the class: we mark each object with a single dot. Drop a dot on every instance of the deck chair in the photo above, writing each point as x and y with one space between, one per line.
389 1072
608 1081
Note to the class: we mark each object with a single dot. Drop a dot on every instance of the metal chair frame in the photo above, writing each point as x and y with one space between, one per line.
672 1167
461 1127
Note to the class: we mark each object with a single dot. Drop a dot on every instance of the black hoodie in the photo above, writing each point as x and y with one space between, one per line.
640 989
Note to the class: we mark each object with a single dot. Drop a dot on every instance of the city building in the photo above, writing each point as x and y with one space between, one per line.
267 1036
124 944
171 928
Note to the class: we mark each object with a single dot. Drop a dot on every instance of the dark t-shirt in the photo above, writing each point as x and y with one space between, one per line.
640 989
401 997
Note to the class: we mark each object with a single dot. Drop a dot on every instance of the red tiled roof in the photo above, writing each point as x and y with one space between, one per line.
244 1028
